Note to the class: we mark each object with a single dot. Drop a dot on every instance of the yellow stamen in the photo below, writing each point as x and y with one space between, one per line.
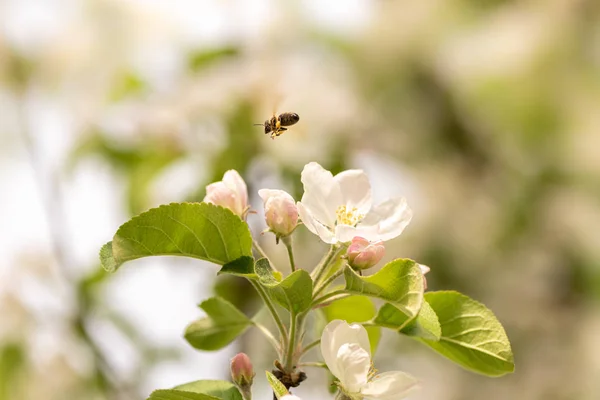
348 216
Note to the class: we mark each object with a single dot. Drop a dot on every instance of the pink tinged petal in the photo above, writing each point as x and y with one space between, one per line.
390 218
356 190
219 194
392 385
358 244
234 181
281 213
363 254
354 364
315 226
322 195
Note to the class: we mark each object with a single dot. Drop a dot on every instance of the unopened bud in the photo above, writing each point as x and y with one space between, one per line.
363 254
424 269
281 212
230 193
242 372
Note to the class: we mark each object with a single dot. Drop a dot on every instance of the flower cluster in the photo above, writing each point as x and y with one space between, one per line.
336 208
339 210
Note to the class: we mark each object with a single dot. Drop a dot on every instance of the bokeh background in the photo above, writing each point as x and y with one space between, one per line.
485 114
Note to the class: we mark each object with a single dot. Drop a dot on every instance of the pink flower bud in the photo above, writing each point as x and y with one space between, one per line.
230 193
242 372
424 269
281 212
363 254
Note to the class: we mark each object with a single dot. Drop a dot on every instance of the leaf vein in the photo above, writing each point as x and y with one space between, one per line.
193 233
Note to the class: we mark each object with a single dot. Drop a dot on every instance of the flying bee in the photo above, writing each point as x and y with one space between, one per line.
276 125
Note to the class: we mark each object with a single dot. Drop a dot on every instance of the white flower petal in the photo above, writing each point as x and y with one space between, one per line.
345 233
315 226
392 385
356 190
353 364
330 347
265 194
335 335
390 218
322 194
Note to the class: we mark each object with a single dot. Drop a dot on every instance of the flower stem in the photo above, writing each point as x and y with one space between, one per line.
287 240
289 358
329 295
313 364
320 269
328 282
268 335
265 298
309 346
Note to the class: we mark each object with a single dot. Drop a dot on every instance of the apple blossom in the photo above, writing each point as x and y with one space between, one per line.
347 353
242 372
230 193
338 208
281 212
362 254
290 397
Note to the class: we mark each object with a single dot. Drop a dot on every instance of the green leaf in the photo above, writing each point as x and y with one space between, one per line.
278 387
294 293
106 257
170 394
220 389
198 230
223 323
399 282
426 325
243 266
355 309
471 334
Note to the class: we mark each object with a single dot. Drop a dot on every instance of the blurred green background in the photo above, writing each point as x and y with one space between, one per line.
483 113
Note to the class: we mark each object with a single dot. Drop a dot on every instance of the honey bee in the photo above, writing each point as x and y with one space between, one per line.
276 125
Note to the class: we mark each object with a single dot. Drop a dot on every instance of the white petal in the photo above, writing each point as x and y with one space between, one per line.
424 268
390 218
392 385
265 194
345 233
356 190
335 335
353 364
322 194
329 346
315 226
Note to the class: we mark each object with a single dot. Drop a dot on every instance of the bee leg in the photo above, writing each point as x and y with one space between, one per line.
281 130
